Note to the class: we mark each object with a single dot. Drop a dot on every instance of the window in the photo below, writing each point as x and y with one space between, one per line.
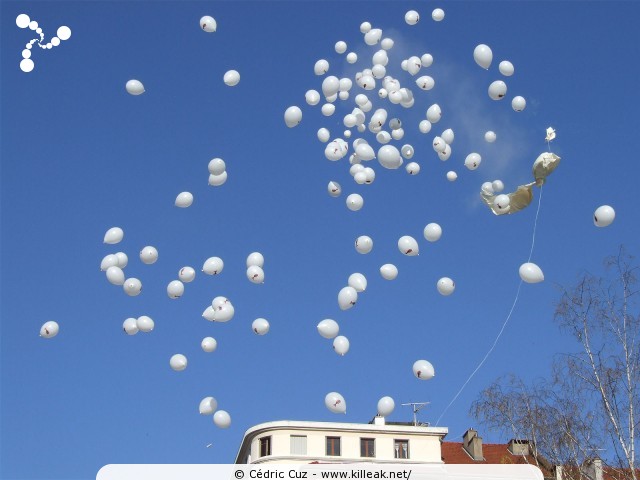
333 446
367 447
401 448
298 445
265 446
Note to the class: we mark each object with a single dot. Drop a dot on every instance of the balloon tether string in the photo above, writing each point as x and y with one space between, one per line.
504 325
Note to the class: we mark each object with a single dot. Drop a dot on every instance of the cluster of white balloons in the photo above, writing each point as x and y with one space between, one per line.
255 264
144 324
483 56
217 172
221 310
209 406
23 21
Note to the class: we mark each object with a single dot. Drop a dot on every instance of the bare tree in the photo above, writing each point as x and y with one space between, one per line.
589 407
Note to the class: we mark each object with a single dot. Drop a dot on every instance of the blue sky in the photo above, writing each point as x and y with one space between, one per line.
80 155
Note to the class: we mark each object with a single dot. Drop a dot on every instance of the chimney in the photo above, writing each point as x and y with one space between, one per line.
519 447
472 444
378 420
593 469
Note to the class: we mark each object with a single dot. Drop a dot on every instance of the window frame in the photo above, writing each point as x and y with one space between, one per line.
266 440
291 437
333 441
398 450
367 447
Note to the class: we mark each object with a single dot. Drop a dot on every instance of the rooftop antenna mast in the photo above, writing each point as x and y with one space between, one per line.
416 407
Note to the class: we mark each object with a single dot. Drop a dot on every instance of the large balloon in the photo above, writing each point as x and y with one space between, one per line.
260 326
328 328
604 216
132 287
389 271
145 324
446 286
347 298
389 157
178 362
114 235
255 274
208 24
364 244
130 326
386 406
408 246
184 200
341 345
423 370
209 344
134 87
432 232
49 329
222 419
213 266
335 402
358 281
186 274
149 255
292 116
531 273
175 289
208 405
483 56
115 275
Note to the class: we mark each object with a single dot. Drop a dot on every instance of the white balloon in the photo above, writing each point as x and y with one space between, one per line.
386 405
448 136
115 275
414 64
108 261
452 176
114 235
341 345
334 189
383 137
122 259
355 202
134 87
389 157
502 202
531 273
184 200
506 68
487 188
426 60
231 78
321 67
389 271
411 17
328 109
497 185
439 144
330 85
373 36
483 56
224 313
175 289
209 314
255 274
208 24
434 113
323 135
425 82
472 161
178 362
22 20
256 259
423 370
217 166
209 344
340 47
217 180
130 326
149 255
328 328
387 43
208 405
186 274
358 281
424 126
432 232
446 286
312 97
407 151
347 298
497 90
49 329
413 168
364 244
437 15
518 103
213 266
292 116
260 326
335 402
145 324
222 419
360 178
352 57
365 27
490 136
132 287
365 152
604 216
445 154
408 246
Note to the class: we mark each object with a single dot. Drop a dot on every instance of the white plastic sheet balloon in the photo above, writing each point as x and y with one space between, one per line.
130 326
175 289
114 235
355 202
132 287
347 298
389 157
115 275
364 244
423 370
389 271
149 255
260 326
483 56
358 281
386 405
408 246
335 402
231 78
108 261
531 273
178 362
341 345
292 116
334 189
411 17
122 259
255 274
432 232
208 405
434 113
222 419
209 344
218 180
134 87
184 200
213 266
328 328
604 216
452 176
473 160
187 274
49 329
506 68
518 103
145 324
446 286
437 15
321 67
490 136
208 24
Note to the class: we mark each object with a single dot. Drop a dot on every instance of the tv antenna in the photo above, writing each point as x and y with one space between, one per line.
416 407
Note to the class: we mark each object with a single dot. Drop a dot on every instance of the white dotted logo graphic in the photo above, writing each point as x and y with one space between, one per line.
23 21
